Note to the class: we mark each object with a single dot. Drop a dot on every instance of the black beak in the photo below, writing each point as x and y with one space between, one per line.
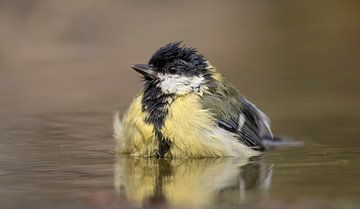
145 70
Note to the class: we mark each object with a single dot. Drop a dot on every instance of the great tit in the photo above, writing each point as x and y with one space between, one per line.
188 110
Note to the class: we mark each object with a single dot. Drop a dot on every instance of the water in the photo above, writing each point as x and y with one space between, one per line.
64 70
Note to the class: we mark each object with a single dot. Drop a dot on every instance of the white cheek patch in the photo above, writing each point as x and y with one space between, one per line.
179 84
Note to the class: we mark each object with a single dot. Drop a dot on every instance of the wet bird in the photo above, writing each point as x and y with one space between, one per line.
187 109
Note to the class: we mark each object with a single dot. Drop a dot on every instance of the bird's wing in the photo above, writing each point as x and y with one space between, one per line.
255 121
257 117
237 115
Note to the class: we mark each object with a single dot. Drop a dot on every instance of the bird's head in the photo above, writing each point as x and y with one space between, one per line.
176 69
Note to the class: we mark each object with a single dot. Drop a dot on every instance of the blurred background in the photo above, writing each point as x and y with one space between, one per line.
65 68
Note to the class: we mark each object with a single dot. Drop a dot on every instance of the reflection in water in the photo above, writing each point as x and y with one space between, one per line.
191 182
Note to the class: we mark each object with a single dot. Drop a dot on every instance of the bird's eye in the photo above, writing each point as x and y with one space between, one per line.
172 69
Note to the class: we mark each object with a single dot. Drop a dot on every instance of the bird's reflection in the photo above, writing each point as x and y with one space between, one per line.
192 183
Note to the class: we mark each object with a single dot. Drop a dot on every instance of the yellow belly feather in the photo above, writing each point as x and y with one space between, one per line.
136 137
189 127
186 126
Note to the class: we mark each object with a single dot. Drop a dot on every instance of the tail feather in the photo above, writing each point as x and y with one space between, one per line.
275 141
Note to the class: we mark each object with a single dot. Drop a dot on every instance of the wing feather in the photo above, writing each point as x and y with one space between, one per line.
237 115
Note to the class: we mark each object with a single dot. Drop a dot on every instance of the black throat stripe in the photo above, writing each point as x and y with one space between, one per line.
156 103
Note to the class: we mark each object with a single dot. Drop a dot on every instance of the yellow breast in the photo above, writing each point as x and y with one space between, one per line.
186 126
190 128
137 137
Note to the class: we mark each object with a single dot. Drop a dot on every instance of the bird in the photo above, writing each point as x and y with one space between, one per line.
187 109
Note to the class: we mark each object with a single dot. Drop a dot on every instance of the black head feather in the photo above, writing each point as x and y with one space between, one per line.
175 52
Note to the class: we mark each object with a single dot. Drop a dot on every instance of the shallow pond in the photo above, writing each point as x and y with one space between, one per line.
67 161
